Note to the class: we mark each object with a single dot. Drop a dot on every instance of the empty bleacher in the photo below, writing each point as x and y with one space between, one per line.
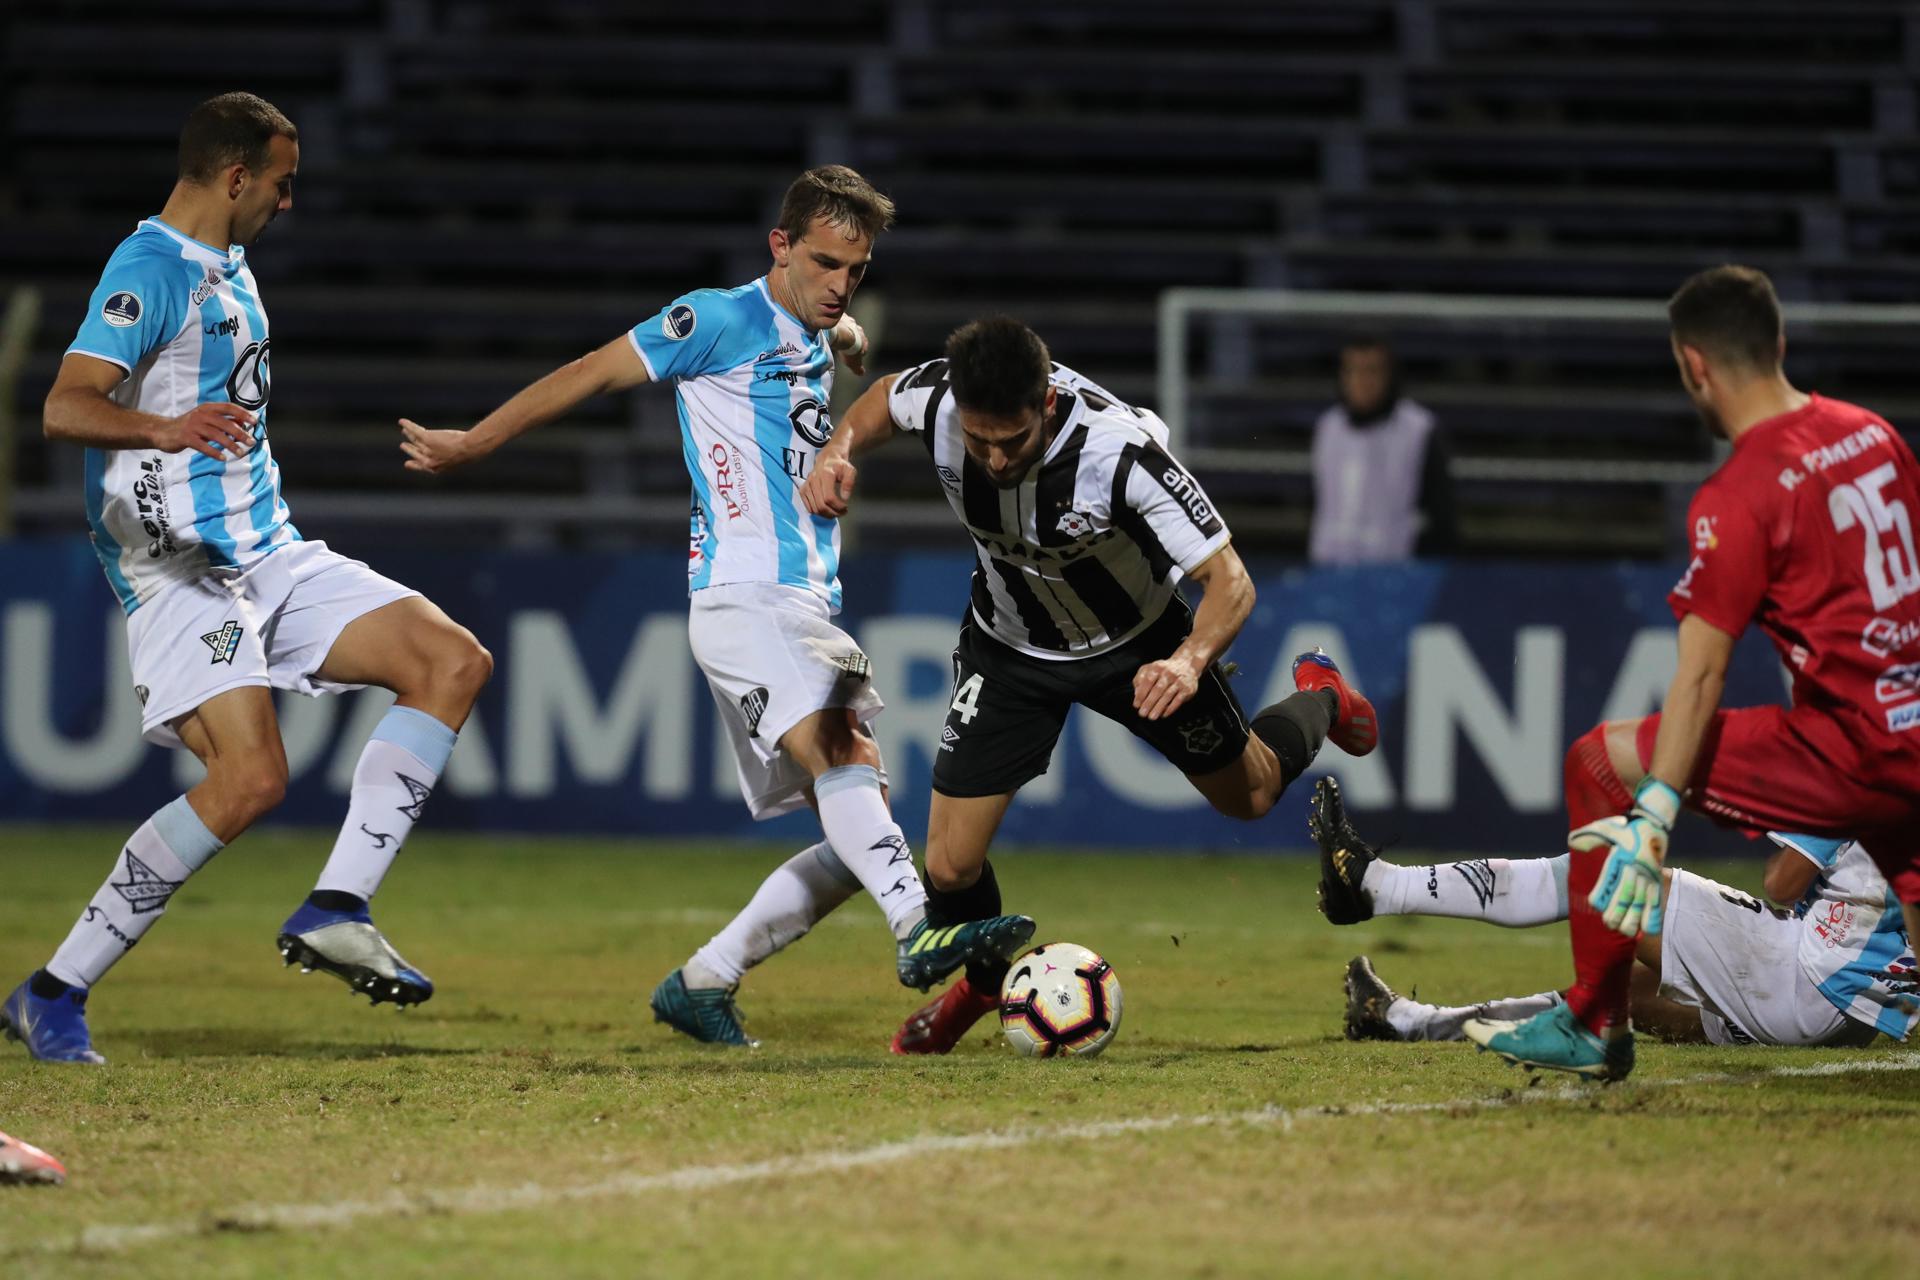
488 190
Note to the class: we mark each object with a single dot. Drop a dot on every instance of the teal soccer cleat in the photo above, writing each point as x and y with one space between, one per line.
931 952
708 1014
1555 1041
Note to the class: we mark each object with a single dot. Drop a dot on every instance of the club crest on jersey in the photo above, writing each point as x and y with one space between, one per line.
143 888
679 322
225 642
753 705
1075 524
811 423
121 309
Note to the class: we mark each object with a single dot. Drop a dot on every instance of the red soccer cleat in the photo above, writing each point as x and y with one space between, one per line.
1355 730
24 1162
938 1025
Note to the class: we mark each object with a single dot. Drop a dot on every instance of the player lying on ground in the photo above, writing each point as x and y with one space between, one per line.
167 386
1084 526
1724 969
752 370
1806 529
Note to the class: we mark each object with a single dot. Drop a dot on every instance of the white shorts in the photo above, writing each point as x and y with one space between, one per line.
773 657
1737 960
271 623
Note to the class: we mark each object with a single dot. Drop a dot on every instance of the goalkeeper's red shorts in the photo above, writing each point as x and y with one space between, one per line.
1800 769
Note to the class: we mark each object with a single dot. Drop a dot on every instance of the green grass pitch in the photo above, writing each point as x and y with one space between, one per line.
532 1120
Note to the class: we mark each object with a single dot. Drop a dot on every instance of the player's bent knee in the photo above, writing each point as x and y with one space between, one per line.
249 790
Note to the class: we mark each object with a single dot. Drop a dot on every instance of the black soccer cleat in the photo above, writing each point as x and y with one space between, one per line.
1368 999
1344 857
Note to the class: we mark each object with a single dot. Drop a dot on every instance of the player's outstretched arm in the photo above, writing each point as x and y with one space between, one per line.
79 410
1163 687
614 367
829 487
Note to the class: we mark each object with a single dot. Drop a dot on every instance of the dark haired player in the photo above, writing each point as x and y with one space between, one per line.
167 386
1808 530
752 369
1084 526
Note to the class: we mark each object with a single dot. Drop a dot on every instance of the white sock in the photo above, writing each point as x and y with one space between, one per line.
798 895
398 769
1517 893
1416 1021
169 847
853 812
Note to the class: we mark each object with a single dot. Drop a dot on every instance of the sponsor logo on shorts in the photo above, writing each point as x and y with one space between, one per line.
948 736
753 705
121 310
143 888
1200 736
679 322
1884 637
225 642
1901 719
855 664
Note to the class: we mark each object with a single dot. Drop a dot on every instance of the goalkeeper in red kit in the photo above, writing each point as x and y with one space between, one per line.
1808 531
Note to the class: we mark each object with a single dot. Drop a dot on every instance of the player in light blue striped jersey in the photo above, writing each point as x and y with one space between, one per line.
167 385
752 372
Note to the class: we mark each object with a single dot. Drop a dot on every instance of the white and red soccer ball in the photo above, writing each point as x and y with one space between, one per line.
1060 999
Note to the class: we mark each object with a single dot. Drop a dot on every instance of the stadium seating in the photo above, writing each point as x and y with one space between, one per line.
490 190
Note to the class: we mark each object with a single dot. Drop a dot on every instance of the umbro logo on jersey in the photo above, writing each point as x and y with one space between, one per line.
753 705
121 309
143 888
678 323
225 642
947 477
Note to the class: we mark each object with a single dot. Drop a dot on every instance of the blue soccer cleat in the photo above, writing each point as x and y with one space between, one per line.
932 952
708 1014
54 1030
346 945
1555 1040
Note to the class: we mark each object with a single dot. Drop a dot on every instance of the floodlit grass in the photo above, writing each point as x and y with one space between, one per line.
237 1084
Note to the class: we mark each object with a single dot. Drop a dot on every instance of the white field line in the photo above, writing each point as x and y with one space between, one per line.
533 1195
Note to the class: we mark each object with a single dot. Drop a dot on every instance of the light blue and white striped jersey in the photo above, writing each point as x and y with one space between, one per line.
1851 927
185 321
752 385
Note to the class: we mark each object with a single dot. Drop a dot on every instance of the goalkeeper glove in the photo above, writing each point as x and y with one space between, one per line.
1628 895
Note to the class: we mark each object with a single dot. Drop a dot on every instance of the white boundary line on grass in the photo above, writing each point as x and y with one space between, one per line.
533 1195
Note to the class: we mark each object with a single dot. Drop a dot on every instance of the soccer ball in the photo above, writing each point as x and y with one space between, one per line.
1060 999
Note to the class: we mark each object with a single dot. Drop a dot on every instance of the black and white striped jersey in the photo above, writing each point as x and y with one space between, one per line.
1087 550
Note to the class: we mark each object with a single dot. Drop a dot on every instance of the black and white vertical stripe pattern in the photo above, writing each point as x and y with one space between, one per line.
1087 550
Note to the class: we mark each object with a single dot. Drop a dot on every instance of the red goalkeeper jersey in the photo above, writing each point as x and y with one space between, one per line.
1809 530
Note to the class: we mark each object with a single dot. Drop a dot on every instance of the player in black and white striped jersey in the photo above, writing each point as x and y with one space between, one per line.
1084 525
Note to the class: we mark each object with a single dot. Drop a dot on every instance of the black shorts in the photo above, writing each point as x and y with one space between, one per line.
1008 708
